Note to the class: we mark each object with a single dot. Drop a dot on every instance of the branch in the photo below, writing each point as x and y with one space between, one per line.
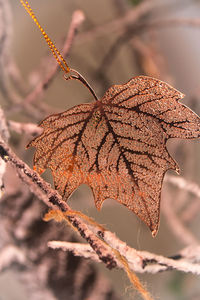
136 28
190 211
26 104
41 189
120 24
158 24
139 261
24 128
52 199
176 225
182 183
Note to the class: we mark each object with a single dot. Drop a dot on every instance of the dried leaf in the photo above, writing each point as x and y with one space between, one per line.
117 145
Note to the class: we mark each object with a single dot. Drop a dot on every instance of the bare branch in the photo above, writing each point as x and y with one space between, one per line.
182 183
25 128
158 24
177 227
77 249
26 104
139 261
190 211
51 198
120 24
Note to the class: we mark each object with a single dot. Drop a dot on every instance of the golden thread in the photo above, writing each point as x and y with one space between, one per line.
58 216
132 276
59 58
71 213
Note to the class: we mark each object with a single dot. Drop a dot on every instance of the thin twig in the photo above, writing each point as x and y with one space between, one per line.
190 211
177 227
137 29
26 104
120 24
182 183
24 128
158 24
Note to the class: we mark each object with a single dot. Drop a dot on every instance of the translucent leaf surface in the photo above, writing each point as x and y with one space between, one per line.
117 145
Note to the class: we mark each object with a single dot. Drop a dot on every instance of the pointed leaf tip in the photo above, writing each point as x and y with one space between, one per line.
117 145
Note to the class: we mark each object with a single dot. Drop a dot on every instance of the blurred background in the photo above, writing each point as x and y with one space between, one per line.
110 47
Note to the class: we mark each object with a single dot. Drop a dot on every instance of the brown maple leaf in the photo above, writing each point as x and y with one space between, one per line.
117 145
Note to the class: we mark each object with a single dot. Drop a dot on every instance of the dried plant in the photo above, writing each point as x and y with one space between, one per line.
101 162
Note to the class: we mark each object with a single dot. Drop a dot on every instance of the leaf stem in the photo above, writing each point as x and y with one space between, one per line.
79 77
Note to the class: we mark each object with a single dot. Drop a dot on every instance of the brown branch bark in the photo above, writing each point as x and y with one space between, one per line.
50 197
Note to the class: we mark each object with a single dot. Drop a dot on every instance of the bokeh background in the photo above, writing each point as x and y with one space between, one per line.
169 51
